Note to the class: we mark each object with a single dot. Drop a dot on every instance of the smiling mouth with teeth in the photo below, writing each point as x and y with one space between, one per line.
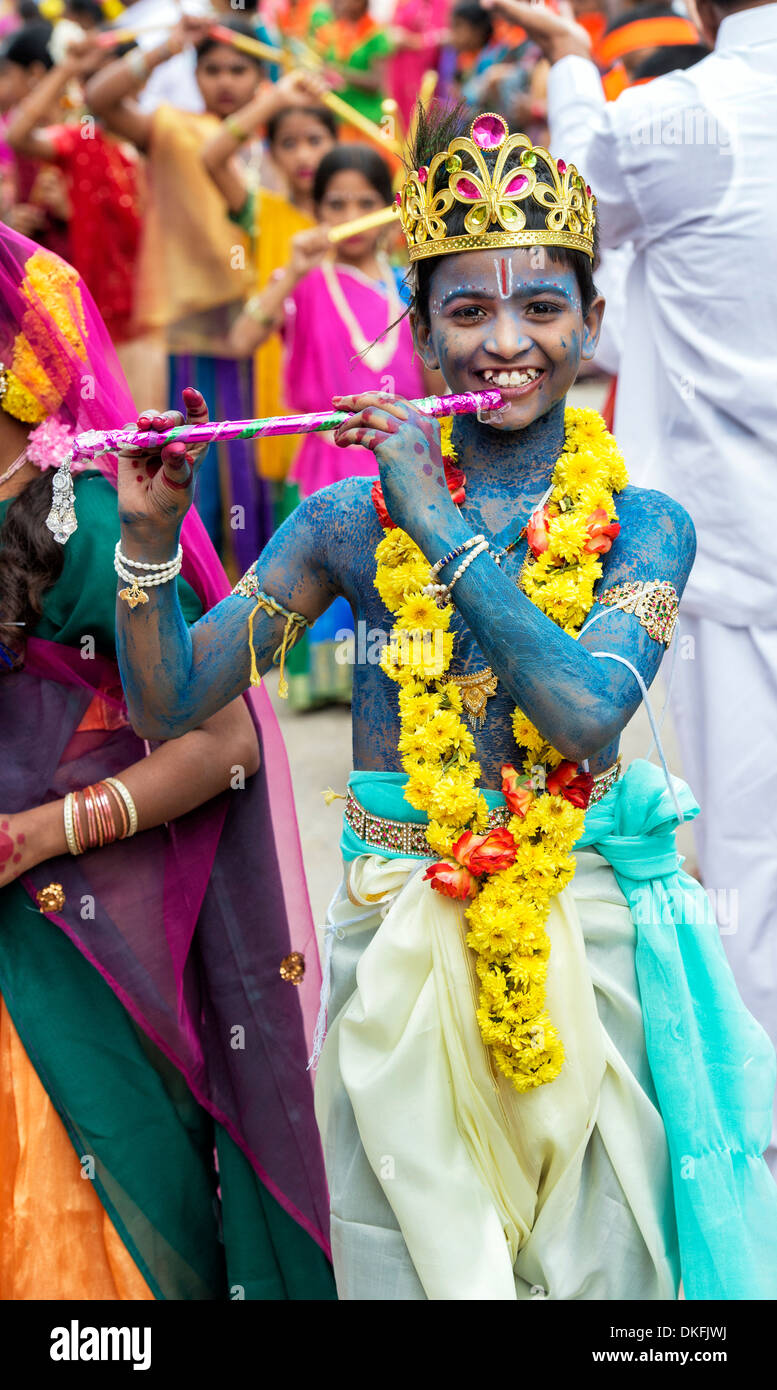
513 378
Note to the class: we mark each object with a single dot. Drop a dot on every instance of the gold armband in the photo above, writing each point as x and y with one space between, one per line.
248 587
653 601
232 124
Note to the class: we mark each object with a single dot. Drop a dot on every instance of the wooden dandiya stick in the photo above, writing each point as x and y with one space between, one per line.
94 442
270 54
381 218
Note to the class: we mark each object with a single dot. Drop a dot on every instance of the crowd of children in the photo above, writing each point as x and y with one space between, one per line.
174 166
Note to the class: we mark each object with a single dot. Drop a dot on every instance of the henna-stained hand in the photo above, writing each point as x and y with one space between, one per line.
157 489
14 852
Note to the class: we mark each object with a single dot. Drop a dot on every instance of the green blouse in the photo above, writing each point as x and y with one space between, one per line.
83 600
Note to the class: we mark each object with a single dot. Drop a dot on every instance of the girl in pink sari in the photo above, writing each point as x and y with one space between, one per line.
340 312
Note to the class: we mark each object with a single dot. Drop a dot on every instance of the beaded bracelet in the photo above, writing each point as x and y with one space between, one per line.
78 834
164 572
432 588
72 844
143 564
466 562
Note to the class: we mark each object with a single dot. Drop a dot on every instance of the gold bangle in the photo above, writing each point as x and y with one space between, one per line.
253 310
126 797
136 62
235 129
69 832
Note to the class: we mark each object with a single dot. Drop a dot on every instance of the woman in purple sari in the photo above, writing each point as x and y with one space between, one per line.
152 1039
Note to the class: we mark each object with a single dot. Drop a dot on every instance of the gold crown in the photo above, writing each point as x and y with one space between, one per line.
494 199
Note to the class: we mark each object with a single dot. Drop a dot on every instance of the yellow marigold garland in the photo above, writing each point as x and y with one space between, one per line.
511 877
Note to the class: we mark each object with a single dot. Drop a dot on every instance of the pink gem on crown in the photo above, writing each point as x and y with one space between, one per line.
489 131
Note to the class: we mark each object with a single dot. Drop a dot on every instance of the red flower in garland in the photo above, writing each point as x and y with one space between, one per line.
518 796
454 477
486 854
379 503
475 855
601 532
454 880
537 531
568 781
456 481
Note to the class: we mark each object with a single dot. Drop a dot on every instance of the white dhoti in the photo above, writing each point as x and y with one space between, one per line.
724 702
445 1182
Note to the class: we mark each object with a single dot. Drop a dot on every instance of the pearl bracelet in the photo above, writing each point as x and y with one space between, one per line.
163 574
143 565
432 589
466 562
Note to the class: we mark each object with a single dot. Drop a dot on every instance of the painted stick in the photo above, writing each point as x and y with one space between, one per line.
112 38
94 442
381 218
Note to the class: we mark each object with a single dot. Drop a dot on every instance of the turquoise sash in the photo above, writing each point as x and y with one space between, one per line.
713 1066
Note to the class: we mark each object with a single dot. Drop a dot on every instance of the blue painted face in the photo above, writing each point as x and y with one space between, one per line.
509 319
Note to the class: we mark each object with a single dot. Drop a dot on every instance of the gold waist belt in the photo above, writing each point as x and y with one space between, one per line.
408 839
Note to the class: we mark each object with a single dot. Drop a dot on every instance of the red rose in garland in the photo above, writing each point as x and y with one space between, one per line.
568 781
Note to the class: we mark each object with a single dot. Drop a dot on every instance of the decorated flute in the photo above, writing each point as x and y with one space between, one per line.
94 442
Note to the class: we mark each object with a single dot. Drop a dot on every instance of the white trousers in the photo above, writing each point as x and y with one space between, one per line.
724 703
444 1182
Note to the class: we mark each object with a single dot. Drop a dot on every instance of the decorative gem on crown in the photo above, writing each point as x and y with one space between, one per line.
495 216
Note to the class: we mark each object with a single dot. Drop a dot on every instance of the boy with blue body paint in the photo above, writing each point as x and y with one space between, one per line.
451 1174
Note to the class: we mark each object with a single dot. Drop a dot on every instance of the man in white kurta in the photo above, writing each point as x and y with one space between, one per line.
684 168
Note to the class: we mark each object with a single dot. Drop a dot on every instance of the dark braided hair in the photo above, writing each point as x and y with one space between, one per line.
30 563
437 126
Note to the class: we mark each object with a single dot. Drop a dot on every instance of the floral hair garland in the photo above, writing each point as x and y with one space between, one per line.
33 387
507 875
49 443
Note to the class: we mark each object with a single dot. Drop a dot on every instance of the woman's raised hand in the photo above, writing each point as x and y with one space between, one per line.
299 88
157 489
308 250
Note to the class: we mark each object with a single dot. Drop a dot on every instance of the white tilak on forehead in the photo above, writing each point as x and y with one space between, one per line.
504 277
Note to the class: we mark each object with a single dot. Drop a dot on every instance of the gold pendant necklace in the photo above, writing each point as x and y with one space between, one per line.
476 691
